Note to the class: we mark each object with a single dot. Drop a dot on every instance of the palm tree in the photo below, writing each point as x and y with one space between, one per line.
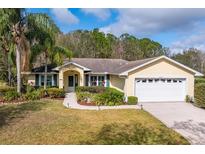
54 54
6 44
7 59
24 29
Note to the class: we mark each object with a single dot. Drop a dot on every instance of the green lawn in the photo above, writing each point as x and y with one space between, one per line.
48 122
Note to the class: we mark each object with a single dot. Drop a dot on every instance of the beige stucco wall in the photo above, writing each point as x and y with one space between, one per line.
31 79
70 70
117 82
161 68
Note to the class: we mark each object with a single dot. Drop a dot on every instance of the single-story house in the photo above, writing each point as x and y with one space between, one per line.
152 79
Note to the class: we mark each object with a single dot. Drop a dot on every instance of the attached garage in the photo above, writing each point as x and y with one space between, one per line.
160 89
159 80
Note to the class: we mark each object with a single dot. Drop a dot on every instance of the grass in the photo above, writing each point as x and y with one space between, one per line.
48 122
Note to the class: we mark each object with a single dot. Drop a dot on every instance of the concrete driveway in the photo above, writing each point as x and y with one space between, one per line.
184 118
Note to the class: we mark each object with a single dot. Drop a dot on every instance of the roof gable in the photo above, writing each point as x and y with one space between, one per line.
159 58
71 63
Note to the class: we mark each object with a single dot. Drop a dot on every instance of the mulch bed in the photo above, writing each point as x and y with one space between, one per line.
21 101
86 104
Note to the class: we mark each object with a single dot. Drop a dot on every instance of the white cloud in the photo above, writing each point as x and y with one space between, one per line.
142 22
100 13
193 41
64 16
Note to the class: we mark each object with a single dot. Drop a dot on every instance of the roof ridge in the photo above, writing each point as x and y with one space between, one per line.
101 58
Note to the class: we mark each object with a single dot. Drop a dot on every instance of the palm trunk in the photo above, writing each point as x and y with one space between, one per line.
18 68
45 75
9 74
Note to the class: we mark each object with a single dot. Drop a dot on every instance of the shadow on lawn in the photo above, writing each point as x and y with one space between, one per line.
9 112
134 134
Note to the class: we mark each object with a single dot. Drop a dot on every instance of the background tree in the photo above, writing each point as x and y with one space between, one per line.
192 57
96 44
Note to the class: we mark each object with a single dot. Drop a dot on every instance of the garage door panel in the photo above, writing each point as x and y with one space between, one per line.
160 90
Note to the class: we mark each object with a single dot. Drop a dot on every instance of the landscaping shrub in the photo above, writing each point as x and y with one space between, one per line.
199 80
55 92
90 89
132 100
84 96
29 88
11 95
110 97
4 89
135 134
34 95
188 99
199 95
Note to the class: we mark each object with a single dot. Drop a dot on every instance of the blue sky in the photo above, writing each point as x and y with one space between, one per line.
177 29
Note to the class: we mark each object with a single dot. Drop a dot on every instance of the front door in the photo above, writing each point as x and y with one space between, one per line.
71 85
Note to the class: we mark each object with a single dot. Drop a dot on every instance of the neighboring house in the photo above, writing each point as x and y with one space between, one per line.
153 79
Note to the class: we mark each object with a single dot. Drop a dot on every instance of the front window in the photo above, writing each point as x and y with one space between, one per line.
93 80
42 80
101 80
49 80
97 80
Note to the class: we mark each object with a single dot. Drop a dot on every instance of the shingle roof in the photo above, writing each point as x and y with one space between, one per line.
133 64
42 69
112 66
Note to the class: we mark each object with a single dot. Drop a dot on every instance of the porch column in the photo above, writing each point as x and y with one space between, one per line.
89 80
52 79
60 79
105 82
126 89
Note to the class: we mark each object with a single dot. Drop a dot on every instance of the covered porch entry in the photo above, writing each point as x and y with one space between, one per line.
71 80
71 76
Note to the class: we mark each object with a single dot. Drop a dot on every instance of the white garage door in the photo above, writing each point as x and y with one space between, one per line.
152 90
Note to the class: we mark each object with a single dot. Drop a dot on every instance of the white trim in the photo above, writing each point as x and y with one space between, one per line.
69 63
89 80
34 73
105 85
97 80
52 80
161 57
39 80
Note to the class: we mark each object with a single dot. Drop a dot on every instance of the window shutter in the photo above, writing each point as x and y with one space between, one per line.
37 80
108 80
55 79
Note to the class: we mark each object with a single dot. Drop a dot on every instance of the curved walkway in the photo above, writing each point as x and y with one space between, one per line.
70 101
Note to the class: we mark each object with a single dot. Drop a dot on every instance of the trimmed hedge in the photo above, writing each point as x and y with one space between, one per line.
90 89
132 100
110 97
199 95
55 92
199 80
